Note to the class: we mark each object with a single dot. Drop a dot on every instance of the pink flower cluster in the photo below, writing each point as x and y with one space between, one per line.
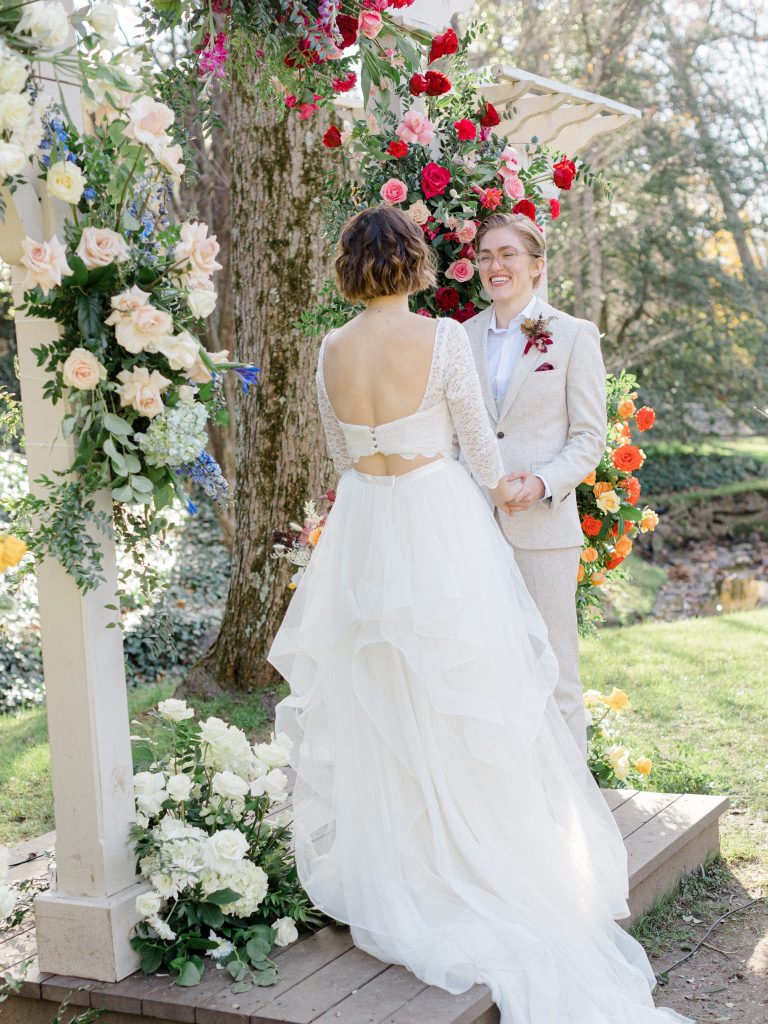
213 58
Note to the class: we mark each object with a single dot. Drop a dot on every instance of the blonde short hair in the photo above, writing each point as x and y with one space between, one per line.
533 237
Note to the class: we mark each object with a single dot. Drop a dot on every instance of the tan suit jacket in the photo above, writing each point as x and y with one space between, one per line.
550 422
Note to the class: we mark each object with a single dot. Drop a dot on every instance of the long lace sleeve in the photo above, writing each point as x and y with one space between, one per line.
465 400
334 436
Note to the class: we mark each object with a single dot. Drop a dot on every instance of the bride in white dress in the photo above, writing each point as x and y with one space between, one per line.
442 808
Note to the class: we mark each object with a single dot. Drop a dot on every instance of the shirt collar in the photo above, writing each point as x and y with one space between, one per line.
525 312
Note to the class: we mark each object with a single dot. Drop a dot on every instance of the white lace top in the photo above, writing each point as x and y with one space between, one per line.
452 405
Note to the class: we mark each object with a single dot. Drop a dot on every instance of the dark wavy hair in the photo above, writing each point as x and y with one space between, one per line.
381 251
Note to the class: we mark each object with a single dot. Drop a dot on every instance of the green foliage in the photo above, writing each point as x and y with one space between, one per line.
675 466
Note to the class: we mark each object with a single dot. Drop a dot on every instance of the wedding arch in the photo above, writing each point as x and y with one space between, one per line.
84 922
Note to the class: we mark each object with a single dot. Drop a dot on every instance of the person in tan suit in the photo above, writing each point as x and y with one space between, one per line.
547 406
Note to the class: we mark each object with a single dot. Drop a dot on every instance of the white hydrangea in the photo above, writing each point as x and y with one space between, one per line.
176 437
252 883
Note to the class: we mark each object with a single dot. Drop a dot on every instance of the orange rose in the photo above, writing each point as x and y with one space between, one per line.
644 765
601 488
589 480
314 537
632 486
646 417
597 579
649 521
613 562
588 555
623 546
591 526
626 408
580 574
628 458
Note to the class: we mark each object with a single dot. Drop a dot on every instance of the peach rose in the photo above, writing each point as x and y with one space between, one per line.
394 191
466 233
82 370
598 578
626 408
149 121
601 488
580 574
142 390
142 330
650 520
644 765
588 555
181 350
370 23
460 270
46 263
199 250
200 373
98 247
623 547
591 479
125 303
418 212
170 158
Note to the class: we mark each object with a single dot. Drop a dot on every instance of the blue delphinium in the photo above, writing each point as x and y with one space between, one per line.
248 375
206 472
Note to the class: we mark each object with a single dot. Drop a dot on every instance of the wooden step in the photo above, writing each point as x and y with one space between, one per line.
324 978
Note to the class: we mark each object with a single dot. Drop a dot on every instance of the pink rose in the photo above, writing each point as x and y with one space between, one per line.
460 270
148 121
514 188
416 128
99 247
370 23
198 250
466 233
46 263
394 191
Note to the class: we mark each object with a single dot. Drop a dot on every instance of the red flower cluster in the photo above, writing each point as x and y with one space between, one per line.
443 45
397 148
527 207
332 137
433 83
447 298
345 84
563 174
488 116
465 129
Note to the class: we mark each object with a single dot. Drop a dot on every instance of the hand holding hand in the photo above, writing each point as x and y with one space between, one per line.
505 493
531 489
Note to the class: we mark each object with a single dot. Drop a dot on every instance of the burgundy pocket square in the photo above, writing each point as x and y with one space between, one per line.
544 366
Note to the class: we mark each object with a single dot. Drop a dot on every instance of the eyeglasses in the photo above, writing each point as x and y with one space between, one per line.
509 257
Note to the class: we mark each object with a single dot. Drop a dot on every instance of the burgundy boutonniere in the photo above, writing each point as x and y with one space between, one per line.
537 334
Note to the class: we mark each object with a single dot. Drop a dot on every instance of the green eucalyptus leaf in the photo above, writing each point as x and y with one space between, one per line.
116 424
190 975
140 483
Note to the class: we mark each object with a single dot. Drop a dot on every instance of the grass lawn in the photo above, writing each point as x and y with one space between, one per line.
698 692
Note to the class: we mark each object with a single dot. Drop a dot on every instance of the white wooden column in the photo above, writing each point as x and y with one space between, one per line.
84 922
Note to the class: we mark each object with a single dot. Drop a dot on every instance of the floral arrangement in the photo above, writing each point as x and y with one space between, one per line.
609 760
297 543
608 498
217 857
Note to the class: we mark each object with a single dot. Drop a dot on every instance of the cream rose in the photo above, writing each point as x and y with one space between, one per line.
286 931
14 70
98 247
65 181
12 159
82 370
142 390
608 501
187 394
103 18
197 248
148 121
418 212
181 350
47 23
127 302
46 263
201 302
170 158
144 329
15 110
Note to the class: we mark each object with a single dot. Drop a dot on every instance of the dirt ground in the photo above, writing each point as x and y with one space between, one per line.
727 979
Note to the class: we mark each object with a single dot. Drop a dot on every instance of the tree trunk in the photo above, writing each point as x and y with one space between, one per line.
279 260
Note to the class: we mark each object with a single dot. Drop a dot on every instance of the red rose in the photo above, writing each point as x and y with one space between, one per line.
563 174
489 118
554 208
466 312
332 137
467 252
527 207
465 129
646 417
447 298
400 3
613 561
424 312
397 148
434 180
344 84
591 526
347 25
417 84
437 83
443 45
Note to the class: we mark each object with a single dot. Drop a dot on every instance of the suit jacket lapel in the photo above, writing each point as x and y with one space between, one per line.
477 329
526 364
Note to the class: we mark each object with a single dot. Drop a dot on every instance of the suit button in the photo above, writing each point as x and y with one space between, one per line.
500 434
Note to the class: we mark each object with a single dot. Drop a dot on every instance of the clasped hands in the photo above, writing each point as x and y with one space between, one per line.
517 492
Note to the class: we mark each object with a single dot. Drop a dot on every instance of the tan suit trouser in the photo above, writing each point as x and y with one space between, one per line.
550 575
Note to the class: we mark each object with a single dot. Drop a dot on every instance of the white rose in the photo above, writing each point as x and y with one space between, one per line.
47 23
103 18
148 121
175 710
14 70
212 729
82 370
65 181
281 820
12 159
286 930
618 758
273 784
15 110
277 753
179 787
201 302
608 501
232 752
7 901
46 263
187 394
171 158
148 903
229 785
98 247
224 851
181 350
148 783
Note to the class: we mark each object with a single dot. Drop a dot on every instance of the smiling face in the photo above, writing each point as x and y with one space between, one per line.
508 272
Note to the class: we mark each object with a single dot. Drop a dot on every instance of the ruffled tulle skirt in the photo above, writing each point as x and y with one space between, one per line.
442 808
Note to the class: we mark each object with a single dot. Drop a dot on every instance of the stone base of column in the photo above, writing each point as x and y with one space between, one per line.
87 937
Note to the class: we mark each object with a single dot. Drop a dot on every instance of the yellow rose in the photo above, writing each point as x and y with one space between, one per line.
649 521
618 759
643 765
65 181
617 700
609 501
12 550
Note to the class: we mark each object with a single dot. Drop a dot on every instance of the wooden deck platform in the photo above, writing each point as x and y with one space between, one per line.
324 978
